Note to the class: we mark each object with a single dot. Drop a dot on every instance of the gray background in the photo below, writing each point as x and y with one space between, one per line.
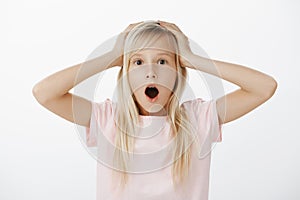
42 156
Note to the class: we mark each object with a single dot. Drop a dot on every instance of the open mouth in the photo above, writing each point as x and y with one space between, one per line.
151 92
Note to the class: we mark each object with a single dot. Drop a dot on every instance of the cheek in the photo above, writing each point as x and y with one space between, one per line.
167 76
136 79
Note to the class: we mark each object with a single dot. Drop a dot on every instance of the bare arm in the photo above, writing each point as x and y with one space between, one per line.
255 87
53 91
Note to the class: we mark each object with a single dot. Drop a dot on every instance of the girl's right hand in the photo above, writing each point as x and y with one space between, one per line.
118 48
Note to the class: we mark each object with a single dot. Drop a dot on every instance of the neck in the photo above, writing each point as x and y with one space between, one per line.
162 112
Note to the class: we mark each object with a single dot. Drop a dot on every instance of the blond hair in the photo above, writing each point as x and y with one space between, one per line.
127 115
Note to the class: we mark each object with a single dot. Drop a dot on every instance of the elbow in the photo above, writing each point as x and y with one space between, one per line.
271 87
34 90
38 94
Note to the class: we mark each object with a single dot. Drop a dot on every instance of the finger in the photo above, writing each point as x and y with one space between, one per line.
169 25
131 26
134 24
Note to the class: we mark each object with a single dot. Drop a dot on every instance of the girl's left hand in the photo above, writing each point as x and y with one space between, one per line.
185 51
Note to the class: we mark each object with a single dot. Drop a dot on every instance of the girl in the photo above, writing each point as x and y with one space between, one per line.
150 145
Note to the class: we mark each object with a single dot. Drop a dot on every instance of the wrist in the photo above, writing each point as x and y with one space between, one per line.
187 60
116 59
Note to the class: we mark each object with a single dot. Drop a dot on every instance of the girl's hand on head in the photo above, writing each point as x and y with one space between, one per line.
118 49
183 42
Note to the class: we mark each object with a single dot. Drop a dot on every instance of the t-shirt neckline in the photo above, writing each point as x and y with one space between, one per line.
153 116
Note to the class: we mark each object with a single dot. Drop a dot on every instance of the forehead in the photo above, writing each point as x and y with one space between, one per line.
153 52
162 44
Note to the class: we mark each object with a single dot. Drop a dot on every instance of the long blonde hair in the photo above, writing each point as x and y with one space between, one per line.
127 115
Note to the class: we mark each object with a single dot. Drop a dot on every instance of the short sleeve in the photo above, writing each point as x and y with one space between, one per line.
209 119
206 118
101 114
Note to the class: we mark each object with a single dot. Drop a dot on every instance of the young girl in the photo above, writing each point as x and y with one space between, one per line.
151 147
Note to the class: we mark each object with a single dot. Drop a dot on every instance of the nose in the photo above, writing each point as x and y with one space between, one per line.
151 74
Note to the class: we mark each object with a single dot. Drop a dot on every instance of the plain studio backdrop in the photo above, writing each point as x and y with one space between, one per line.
42 155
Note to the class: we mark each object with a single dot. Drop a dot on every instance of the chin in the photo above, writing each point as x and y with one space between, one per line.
158 105
149 108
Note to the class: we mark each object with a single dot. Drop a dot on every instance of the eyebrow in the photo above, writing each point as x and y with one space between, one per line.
159 54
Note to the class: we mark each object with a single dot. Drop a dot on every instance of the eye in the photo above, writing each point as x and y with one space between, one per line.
162 61
137 62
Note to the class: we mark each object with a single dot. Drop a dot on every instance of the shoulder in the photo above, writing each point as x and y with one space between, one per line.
199 108
108 103
103 109
191 104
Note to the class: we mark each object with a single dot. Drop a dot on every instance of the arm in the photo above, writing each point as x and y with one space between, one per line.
53 91
255 87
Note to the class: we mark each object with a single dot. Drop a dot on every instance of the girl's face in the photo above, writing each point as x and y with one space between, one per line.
152 76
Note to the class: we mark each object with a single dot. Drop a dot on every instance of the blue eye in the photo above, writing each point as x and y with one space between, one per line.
162 61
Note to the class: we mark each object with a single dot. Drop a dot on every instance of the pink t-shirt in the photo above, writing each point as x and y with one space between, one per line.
156 182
